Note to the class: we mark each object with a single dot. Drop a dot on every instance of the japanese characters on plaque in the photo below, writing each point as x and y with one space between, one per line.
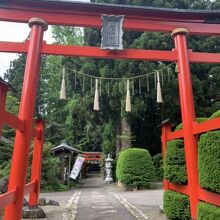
112 32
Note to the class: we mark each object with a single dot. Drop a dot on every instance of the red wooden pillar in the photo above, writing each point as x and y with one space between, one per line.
26 112
3 94
166 128
36 164
188 115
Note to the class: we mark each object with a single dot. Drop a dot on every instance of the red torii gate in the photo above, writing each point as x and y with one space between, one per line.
39 14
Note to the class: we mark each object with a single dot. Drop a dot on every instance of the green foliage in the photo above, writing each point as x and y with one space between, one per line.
5 159
12 105
15 74
179 127
202 119
208 212
176 205
5 169
108 139
62 122
215 114
5 152
209 160
199 120
68 35
50 171
158 165
174 162
74 119
135 168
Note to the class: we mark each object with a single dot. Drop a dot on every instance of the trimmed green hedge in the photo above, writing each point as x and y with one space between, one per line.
209 161
135 168
176 205
199 120
208 212
215 114
174 162
158 165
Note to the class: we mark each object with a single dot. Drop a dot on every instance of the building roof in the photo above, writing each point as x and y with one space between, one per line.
90 152
64 146
211 16
6 84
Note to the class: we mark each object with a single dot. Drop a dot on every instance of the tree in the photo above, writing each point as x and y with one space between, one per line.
74 119
131 128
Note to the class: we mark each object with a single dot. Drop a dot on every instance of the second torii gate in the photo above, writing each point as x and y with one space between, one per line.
39 14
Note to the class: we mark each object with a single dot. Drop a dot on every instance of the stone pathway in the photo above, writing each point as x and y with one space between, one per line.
96 203
100 201
137 213
95 200
70 209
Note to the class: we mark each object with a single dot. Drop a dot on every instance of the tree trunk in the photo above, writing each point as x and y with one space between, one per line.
125 134
118 133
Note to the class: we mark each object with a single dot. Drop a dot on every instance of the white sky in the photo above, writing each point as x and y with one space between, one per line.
17 32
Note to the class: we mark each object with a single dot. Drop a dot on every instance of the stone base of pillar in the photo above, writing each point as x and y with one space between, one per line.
33 212
161 209
109 180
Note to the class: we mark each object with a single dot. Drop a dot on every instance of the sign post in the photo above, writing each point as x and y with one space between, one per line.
77 167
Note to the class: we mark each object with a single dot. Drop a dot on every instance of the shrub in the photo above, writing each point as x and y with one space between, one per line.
5 159
209 161
207 211
158 165
215 114
199 120
174 162
176 205
135 168
50 171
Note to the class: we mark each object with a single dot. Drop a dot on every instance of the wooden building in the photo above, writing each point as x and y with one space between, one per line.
67 155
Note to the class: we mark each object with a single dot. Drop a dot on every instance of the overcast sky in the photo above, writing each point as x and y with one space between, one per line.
17 32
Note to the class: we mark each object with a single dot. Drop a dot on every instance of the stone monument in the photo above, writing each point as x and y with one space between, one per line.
108 169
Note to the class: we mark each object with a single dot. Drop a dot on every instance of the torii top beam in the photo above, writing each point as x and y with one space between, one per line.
58 12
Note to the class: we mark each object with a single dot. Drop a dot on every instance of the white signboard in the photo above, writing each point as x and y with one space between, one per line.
77 167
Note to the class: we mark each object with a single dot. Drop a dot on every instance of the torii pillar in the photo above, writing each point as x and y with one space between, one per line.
188 116
20 156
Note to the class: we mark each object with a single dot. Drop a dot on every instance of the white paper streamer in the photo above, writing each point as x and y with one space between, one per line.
96 98
63 87
128 98
159 94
